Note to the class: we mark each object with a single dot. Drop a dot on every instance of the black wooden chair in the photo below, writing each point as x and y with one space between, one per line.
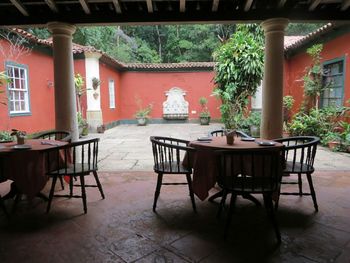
299 154
169 154
2 180
64 136
76 160
221 132
248 172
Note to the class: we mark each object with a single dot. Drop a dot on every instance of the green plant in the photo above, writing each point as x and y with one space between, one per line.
205 112
81 121
288 102
254 119
95 82
5 136
3 79
143 112
239 71
79 88
330 137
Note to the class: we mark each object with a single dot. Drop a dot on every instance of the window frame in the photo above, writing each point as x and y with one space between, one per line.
333 61
8 65
109 94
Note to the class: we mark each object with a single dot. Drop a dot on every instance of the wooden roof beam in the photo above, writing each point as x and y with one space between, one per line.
248 5
314 4
182 6
52 5
345 5
149 6
20 7
117 6
215 5
85 6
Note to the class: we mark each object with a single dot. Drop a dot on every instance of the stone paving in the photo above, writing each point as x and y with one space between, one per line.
123 228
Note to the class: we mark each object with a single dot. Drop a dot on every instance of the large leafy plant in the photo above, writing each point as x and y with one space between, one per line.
239 71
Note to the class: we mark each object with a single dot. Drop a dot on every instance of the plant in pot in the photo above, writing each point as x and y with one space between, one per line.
95 83
82 125
288 102
332 140
142 115
204 115
20 135
254 122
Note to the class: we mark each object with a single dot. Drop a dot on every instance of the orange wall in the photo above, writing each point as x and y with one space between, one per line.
107 73
295 68
151 88
40 71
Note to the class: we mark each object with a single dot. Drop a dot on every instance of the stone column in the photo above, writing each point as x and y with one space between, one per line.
272 99
65 98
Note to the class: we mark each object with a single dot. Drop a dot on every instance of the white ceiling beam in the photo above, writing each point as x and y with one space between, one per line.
20 7
182 6
345 5
52 5
314 4
248 5
215 5
281 3
149 6
85 6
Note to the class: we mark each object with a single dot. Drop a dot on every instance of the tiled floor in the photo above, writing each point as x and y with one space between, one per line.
123 228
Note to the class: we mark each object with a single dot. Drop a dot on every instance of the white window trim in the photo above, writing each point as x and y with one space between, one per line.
111 92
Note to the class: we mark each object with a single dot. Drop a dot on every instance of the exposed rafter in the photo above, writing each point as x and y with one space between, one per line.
52 5
281 3
20 7
182 6
215 5
117 6
248 5
345 5
314 4
149 6
85 6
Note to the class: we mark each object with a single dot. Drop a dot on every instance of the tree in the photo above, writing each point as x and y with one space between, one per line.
239 71
301 29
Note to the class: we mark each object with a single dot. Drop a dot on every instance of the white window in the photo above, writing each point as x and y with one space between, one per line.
18 93
111 94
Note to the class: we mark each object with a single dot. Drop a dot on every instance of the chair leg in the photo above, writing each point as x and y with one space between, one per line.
83 192
3 207
70 187
312 191
300 184
52 190
189 182
157 192
229 216
99 184
278 196
270 211
222 203
18 198
61 181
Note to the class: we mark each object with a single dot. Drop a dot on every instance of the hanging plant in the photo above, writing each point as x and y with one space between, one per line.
95 95
95 83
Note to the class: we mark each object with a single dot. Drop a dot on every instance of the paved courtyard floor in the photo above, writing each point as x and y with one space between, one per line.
123 228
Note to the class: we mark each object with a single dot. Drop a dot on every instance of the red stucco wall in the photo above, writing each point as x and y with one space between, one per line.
107 73
40 72
151 88
295 67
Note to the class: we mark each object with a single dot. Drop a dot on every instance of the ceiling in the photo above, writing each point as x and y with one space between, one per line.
39 12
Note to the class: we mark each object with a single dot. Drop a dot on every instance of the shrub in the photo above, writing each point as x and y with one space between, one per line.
5 136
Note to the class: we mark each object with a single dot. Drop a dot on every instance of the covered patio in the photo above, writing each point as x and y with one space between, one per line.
123 228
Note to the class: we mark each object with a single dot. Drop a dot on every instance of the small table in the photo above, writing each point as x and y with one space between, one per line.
27 167
205 171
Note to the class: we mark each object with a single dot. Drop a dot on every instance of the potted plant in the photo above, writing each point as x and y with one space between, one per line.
254 122
204 115
288 102
142 115
82 125
20 135
95 83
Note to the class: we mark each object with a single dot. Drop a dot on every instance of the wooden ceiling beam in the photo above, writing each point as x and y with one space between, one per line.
215 5
149 6
314 4
117 6
182 6
52 5
85 5
20 7
248 5
345 5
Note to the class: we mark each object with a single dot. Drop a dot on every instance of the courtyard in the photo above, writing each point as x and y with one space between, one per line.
123 228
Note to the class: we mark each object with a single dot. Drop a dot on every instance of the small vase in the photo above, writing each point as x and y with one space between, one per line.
20 140
230 137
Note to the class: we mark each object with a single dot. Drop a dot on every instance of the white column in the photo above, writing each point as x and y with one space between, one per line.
65 100
93 95
272 114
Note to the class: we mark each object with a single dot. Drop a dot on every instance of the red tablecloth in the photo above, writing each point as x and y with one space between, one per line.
27 168
205 170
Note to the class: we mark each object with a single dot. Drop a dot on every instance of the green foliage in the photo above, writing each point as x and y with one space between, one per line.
239 72
5 136
3 79
288 102
205 112
81 121
143 112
